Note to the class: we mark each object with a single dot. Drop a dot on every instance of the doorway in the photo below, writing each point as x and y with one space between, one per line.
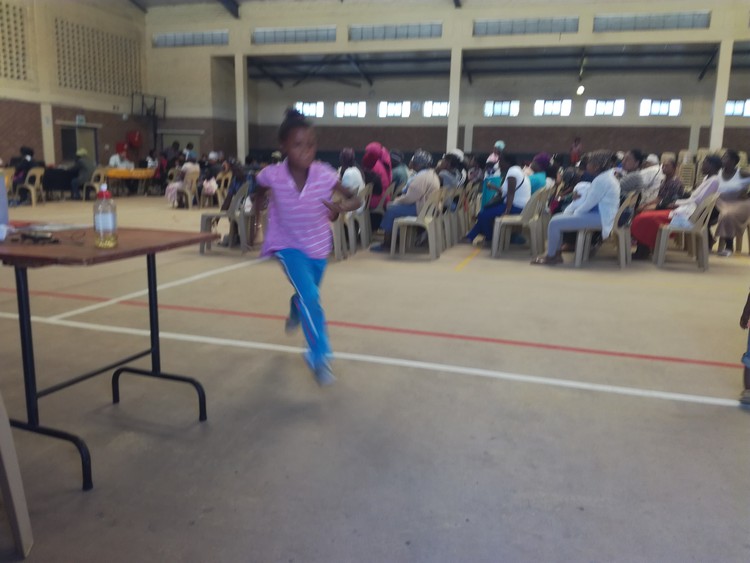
74 138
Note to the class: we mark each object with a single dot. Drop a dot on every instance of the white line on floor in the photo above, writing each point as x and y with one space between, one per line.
161 287
398 362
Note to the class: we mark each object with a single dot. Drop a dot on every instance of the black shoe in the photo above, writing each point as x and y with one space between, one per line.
641 253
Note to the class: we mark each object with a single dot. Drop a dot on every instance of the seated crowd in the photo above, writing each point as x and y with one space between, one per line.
585 194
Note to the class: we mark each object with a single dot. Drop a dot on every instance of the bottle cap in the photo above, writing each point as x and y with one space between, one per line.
103 193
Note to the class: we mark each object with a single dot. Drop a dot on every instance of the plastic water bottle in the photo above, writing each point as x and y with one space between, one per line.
105 219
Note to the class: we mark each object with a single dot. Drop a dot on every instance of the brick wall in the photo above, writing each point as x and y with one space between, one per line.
20 124
113 130
218 134
525 140
408 138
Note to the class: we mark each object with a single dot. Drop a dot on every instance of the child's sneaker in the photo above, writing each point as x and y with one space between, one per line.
745 398
322 372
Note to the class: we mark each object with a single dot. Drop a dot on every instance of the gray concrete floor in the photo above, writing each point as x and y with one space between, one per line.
451 434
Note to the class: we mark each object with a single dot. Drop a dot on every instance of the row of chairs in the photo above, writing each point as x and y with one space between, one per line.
188 191
690 164
534 220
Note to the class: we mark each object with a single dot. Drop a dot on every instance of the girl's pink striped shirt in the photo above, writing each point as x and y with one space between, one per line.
298 219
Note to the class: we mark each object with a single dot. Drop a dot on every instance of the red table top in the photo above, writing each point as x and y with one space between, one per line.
76 247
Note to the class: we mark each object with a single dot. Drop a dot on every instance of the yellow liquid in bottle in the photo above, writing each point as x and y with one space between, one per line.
108 240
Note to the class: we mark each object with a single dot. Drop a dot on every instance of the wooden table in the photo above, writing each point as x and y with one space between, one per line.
119 176
76 248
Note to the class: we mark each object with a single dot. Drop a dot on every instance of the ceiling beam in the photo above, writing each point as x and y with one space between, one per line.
582 65
138 5
231 6
324 63
359 70
270 76
708 64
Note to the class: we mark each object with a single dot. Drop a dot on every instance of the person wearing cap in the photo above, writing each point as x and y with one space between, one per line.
84 169
418 189
276 157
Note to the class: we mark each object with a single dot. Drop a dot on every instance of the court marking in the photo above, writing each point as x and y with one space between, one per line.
397 330
400 362
468 259
160 287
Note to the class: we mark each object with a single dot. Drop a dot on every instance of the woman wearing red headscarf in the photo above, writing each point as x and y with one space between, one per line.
377 160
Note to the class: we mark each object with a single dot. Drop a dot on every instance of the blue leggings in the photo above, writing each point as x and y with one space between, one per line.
305 275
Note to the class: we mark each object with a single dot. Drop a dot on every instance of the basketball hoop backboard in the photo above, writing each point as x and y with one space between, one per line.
149 105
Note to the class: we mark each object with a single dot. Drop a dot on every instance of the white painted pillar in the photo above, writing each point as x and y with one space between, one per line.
48 133
240 95
723 73
43 43
695 133
454 94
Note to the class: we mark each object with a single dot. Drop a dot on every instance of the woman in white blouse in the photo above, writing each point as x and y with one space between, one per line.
596 210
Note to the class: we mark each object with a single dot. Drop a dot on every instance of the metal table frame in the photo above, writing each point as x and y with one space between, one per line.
29 371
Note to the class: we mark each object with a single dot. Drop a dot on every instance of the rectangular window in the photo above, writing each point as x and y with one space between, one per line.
615 108
350 109
739 108
652 22
191 39
669 108
493 108
277 35
310 109
394 109
553 107
435 109
523 26
427 30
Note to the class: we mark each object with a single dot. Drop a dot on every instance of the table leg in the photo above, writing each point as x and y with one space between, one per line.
29 379
153 313
27 345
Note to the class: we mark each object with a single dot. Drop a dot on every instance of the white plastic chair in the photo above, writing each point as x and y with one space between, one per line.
696 236
621 233
428 219
359 221
529 222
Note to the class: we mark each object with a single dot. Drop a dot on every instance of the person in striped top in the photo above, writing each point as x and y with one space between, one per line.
300 191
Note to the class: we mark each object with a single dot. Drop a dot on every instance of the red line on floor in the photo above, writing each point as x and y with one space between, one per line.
407 331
